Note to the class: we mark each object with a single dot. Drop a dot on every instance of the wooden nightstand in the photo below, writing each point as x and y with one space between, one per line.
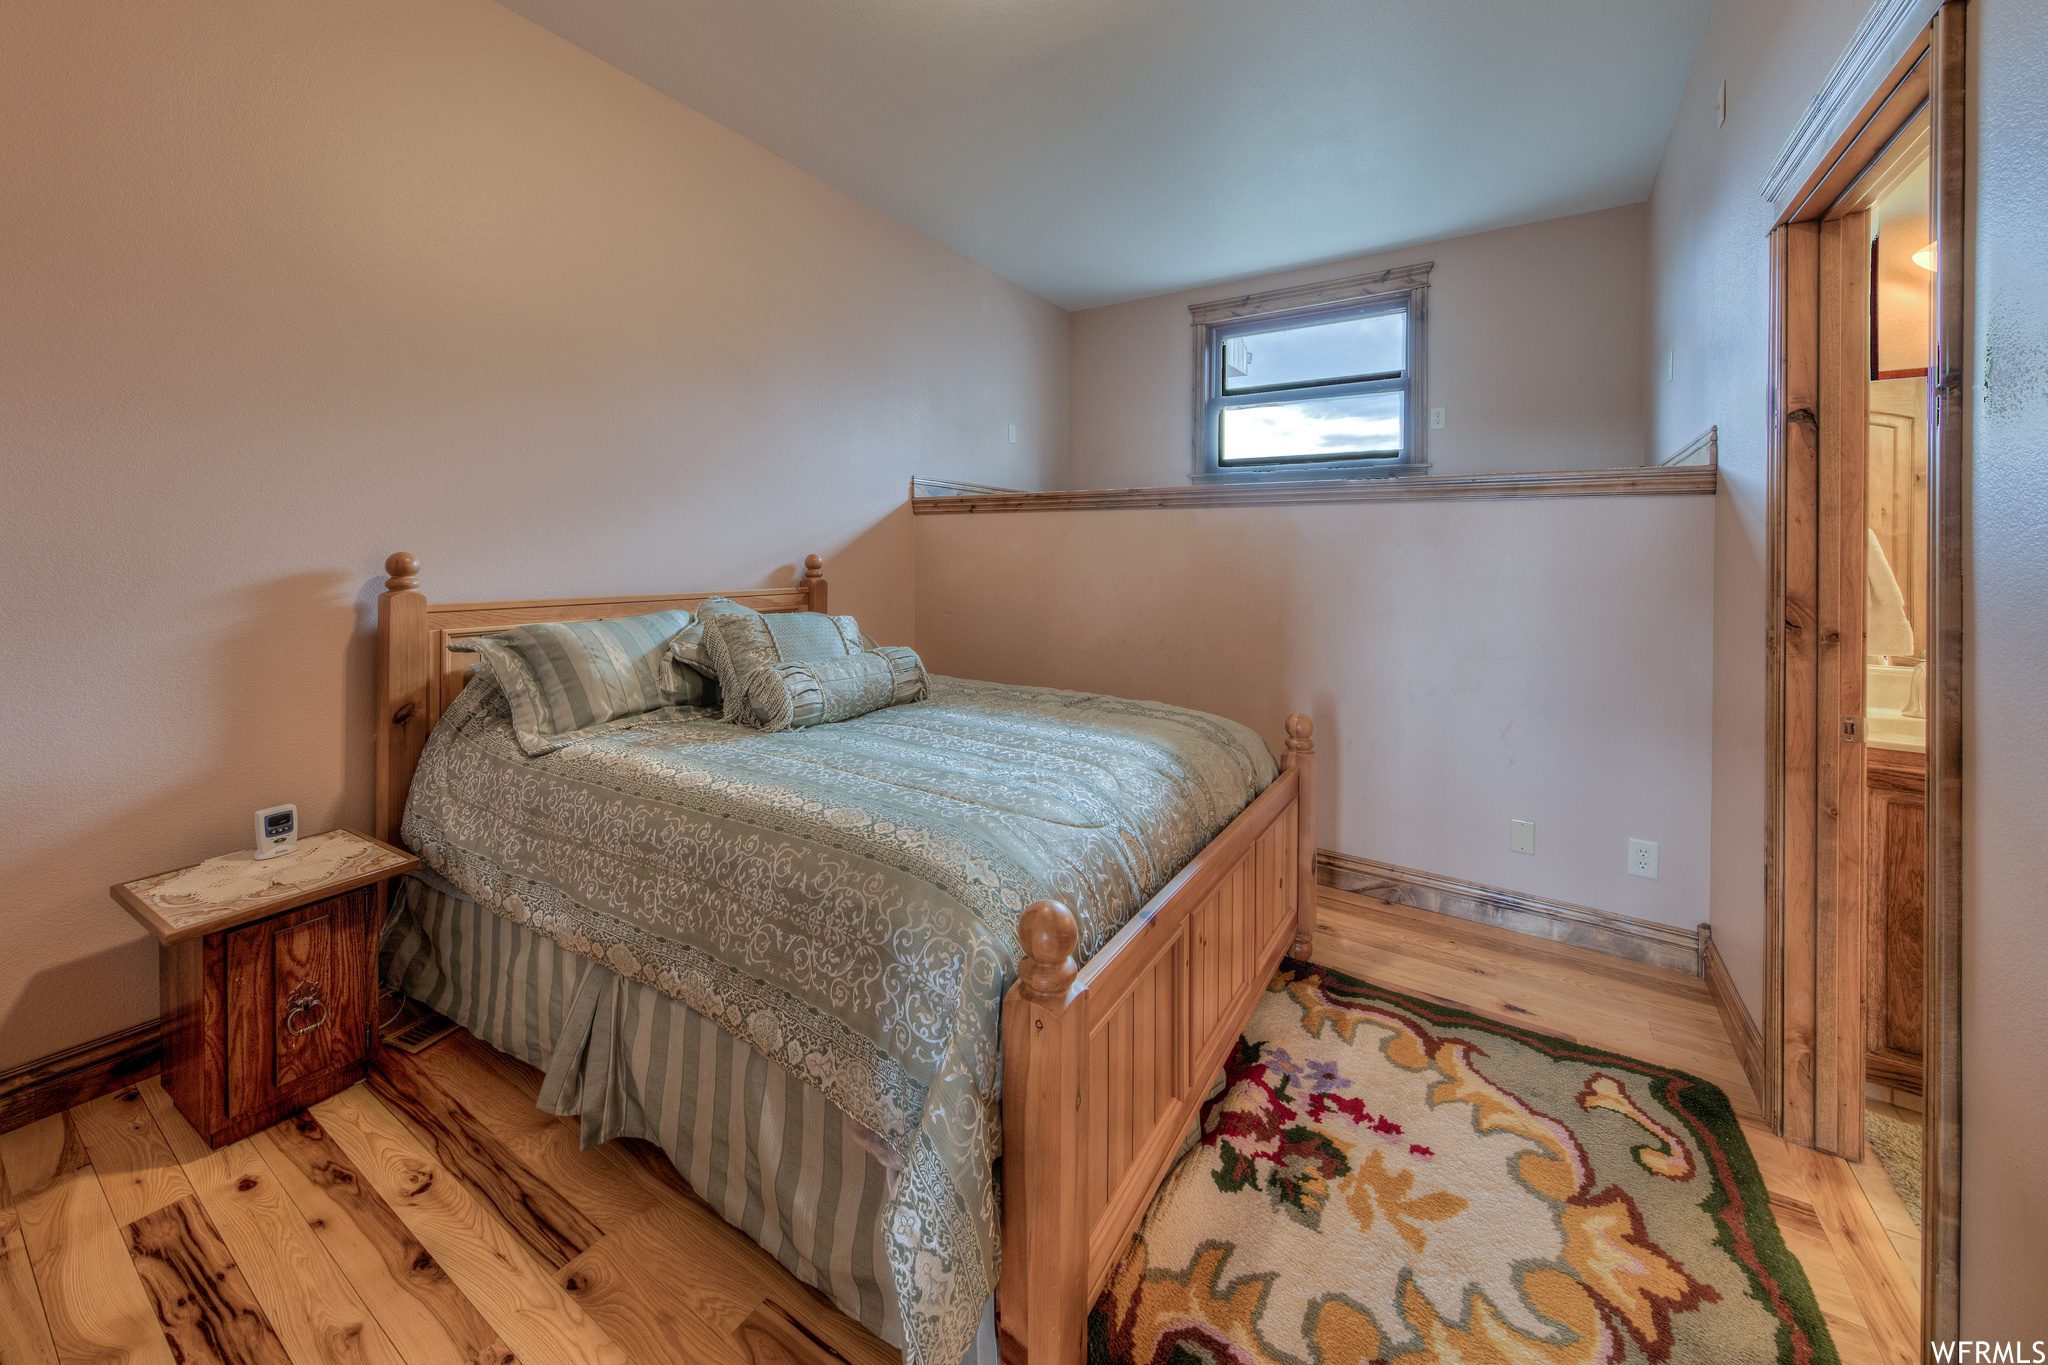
269 976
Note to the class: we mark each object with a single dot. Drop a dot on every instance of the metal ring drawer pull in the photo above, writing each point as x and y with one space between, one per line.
304 999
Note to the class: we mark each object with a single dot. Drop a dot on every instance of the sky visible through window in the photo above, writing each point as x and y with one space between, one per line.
1368 424
1353 348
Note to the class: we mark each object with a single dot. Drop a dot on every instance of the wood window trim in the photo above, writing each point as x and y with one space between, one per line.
1405 285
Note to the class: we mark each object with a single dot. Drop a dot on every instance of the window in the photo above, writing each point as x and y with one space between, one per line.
1318 381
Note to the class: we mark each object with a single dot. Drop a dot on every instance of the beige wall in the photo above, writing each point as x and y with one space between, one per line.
1904 290
1466 663
1709 288
2005 679
290 285
1535 335
1709 297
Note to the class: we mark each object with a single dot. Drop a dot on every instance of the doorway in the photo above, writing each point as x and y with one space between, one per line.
1864 864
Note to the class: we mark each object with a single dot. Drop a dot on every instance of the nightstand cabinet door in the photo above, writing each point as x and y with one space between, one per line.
298 1002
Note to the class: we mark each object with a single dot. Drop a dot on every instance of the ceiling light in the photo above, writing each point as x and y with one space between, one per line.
1924 257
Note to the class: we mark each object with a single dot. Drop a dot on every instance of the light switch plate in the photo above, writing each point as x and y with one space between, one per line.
1521 836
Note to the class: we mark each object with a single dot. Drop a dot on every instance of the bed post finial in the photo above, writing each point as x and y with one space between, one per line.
1049 932
1301 757
405 664
814 582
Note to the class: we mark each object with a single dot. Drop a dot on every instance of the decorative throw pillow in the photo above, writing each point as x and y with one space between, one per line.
735 640
739 642
566 678
792 696
796 637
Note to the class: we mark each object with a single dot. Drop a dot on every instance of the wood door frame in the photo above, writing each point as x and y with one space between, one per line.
1811 1076
1947 486
1842 458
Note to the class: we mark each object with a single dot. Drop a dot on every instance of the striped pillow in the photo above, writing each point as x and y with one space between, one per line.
792 696
564 678
791 669
799 636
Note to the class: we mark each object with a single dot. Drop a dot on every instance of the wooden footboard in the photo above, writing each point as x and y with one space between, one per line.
1105 1067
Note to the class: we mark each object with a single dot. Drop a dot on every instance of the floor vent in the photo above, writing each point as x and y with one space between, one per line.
421 1034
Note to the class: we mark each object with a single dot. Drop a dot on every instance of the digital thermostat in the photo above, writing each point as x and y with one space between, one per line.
277 831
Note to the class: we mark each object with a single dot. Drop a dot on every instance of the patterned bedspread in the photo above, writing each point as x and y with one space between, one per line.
844 899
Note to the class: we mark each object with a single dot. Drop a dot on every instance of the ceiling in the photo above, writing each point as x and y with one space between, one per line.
1100 150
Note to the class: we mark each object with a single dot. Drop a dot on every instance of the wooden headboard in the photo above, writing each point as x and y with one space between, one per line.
417 677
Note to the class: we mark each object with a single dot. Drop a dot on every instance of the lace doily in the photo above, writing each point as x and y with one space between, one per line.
236 881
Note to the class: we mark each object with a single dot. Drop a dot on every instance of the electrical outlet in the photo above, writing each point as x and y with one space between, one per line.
1521 836
1436 419
1642 859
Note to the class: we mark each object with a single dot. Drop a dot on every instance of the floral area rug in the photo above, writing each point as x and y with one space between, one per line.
1385 1179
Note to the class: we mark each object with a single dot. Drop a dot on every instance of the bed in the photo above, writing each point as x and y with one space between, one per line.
834 936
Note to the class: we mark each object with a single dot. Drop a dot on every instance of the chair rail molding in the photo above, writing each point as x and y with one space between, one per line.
1885 34
953 488
1629 481
1703 449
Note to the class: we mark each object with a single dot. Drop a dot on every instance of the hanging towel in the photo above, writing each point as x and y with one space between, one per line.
1885 627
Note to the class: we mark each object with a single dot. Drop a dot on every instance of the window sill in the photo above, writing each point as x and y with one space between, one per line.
1308 473
1581 483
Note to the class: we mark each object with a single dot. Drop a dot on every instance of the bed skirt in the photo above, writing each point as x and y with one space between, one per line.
777 1159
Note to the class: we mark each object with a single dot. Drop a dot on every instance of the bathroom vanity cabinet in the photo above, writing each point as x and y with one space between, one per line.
1896 849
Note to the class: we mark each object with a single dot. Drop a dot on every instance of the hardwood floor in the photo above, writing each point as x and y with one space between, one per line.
1865 1289
435 1217
430 1217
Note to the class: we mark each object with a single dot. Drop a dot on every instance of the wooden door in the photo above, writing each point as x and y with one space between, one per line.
1898 494
1791 725
1808 986
1896 900
298 989
1842 468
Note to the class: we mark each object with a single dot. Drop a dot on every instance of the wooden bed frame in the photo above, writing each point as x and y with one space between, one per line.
1104 1067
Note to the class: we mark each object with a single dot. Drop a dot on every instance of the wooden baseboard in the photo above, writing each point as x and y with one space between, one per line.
1742 1031
1638 940
1896 1070
55 1083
